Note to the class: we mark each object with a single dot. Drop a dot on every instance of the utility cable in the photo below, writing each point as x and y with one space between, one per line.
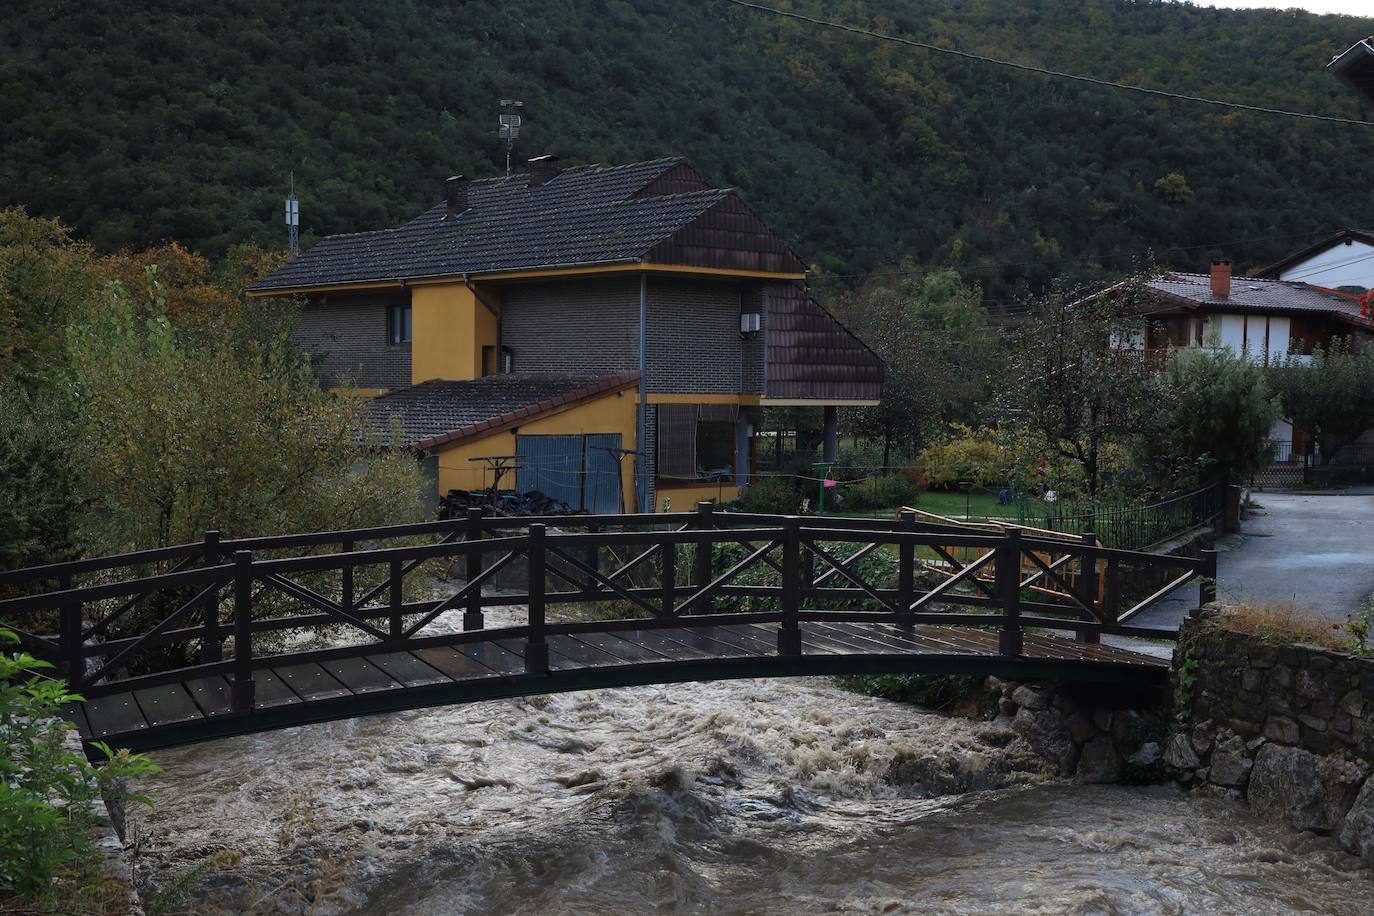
1058 74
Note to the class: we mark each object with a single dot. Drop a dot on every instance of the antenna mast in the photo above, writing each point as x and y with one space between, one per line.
293 220
510 126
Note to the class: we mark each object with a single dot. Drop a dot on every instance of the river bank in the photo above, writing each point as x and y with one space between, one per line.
747 796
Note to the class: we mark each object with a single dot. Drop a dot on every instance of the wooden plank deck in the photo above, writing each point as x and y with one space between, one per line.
299 693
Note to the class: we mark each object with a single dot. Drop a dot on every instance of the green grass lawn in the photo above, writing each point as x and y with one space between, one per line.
975 506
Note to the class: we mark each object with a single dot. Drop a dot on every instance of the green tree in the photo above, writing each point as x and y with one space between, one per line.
1330 397
1069 380
931 330
179 435
38 507
45 278
1211 419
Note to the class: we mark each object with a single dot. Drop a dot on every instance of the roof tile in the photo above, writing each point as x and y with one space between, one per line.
438 412
585 215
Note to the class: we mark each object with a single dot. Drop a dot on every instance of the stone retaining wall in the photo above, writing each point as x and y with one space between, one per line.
1289 727
1086 731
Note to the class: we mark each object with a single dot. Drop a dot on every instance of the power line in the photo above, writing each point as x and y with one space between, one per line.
1059 74
1313 270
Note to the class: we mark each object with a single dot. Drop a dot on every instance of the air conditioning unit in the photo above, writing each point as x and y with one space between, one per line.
749 323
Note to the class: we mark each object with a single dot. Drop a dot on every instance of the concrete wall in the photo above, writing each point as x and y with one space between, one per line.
450 328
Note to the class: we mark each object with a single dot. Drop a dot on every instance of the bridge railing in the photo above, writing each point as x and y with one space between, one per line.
235 607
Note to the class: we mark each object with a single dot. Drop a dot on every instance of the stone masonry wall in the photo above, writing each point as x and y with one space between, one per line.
1092 733
1291 728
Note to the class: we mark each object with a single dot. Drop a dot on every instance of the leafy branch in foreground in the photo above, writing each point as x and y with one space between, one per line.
49 793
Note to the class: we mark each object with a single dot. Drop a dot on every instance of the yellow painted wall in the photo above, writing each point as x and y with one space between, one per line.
686 496
449 328
613 413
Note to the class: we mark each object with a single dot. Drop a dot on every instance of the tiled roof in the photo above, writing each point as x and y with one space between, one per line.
584 215
439 413
1252 295
811 356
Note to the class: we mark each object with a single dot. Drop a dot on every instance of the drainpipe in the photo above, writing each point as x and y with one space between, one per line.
642 432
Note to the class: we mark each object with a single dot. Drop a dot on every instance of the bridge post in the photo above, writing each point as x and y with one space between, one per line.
1087 579
536 650
906 570
210 648
1207 585
1111 609
789 633
667 577
346 580
705 522
397 599
241 698
69 626
593 561
472 568
1009 590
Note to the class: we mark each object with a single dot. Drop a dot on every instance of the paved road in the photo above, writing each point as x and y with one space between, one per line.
1314 549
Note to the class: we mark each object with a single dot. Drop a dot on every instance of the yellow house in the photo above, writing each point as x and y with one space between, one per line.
603 334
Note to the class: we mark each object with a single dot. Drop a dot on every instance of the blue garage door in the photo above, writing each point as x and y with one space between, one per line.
581 471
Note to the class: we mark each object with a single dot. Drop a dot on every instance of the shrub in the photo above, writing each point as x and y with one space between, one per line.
933 691
771 496
37 503
1283 622
974 456
47 791
887 492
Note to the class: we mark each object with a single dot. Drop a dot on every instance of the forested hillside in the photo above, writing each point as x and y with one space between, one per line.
139 120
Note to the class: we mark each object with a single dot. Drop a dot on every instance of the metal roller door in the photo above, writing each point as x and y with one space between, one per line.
581 471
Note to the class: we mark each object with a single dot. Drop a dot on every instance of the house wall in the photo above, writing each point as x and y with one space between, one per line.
572 326
1343 265
347 336
1252 334
449 329
613 413
694 342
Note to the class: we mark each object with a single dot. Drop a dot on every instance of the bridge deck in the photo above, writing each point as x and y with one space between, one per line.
300 693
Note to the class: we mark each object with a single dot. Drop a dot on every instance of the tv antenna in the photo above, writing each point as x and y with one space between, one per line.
293 219
510 126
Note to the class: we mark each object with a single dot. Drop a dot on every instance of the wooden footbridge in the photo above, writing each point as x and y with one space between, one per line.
226 637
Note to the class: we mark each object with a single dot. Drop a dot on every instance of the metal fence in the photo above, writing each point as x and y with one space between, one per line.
1130 527
1352 465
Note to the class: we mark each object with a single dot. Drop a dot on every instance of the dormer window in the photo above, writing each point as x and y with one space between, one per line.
398 324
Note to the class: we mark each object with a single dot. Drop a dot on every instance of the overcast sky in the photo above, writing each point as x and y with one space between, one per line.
1348 7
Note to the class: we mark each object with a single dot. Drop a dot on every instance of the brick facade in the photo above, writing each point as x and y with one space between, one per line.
347 338
593 326
585 326
694 340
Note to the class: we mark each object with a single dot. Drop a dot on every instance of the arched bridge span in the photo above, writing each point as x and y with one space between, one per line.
227 637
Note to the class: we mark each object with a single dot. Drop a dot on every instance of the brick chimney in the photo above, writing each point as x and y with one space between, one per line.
1221 279
543 169
455 196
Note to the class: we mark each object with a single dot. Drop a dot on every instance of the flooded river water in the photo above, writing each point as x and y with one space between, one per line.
767 796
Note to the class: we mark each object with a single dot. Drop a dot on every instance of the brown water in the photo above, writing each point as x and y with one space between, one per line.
768 796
